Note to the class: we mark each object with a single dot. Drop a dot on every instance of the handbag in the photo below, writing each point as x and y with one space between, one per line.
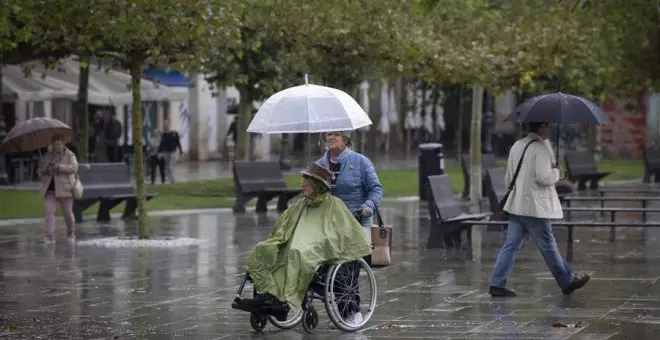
381 243
77 188
503 215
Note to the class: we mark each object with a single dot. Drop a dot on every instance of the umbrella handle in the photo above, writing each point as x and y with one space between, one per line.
557 147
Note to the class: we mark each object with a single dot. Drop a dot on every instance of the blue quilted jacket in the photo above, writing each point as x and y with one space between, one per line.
357 184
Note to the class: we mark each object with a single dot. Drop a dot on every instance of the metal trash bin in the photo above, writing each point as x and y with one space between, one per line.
431 162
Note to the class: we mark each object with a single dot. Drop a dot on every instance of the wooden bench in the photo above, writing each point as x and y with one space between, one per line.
643 199
652 165
445 213
581 168
570 225
488 161
612 211
109 184
495 188
263 180
643 191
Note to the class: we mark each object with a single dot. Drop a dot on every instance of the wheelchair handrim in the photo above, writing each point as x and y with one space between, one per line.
289 323
330 304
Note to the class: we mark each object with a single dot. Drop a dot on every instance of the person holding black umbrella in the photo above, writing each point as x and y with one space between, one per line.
531 205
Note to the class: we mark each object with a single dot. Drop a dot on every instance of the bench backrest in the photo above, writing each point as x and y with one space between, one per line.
580 163
442 205
103 173
496 188
255 176
488 161
652 159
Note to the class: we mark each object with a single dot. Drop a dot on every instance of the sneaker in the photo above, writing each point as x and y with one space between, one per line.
48 240
577 283
355 319
501 292
71 239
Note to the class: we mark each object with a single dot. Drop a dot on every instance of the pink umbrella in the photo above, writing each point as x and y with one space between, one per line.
34 134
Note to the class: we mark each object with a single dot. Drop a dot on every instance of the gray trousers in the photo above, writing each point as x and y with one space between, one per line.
170 159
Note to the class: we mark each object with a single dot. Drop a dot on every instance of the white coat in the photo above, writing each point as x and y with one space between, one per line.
534 193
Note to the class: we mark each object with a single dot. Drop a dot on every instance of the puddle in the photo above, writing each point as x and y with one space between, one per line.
117 242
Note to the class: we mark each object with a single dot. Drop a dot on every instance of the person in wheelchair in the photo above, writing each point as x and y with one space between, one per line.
315 231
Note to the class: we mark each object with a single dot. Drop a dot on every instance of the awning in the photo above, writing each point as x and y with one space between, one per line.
16 86
108 87
171 78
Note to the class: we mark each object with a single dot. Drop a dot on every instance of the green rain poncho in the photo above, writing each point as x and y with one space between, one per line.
307 235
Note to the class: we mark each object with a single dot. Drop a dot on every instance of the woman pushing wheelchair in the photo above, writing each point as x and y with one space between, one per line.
315 251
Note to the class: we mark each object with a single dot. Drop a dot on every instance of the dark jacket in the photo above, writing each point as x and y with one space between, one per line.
169 142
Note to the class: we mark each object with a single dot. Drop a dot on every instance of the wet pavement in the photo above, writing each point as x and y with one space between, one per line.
91 292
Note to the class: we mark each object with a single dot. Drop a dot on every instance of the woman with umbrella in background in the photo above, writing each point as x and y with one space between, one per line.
57 168
57 172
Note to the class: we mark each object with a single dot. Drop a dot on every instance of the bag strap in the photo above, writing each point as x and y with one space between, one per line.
515 175
379 219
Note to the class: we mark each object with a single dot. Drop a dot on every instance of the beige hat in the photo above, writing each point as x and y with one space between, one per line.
318 172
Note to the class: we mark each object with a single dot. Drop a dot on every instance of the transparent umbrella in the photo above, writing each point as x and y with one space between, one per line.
309 109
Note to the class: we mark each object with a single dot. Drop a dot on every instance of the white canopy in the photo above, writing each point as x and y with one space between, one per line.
15 86
107 88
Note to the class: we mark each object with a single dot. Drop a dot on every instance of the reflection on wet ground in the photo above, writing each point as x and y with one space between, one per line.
89 292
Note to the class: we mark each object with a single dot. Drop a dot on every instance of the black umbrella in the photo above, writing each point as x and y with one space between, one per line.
558 108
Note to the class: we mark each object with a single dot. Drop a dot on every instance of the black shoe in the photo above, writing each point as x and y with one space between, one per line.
501 292
577 283
282 314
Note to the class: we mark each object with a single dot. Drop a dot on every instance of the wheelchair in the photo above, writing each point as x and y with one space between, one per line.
337 286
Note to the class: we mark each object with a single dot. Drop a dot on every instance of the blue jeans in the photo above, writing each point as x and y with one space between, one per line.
541 231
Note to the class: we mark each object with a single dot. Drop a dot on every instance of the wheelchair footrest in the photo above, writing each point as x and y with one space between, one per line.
246 307
250 306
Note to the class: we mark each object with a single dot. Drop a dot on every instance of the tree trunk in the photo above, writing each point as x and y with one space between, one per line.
1 101
4 178
82 112
459 125
475 144
136 76
244 118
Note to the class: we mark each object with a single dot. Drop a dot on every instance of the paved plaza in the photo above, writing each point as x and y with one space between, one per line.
94 292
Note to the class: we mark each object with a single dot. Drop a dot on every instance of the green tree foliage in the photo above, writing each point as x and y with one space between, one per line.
257 63
628 34
527 45
521 44
341 43
135 32
172 32
338 43
72 27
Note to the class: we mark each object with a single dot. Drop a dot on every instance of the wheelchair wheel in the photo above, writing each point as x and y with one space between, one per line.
289 323
258 321
350 289
310 319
